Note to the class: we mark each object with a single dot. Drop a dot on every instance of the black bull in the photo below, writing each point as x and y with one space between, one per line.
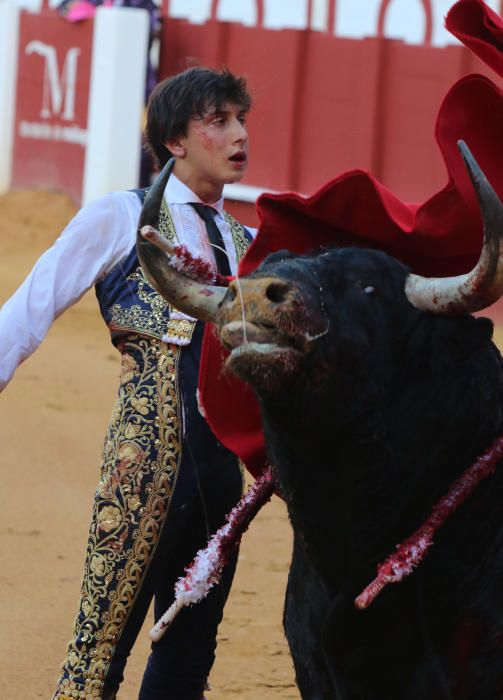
371 408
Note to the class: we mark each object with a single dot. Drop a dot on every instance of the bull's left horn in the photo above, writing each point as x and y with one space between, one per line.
198 300
484 284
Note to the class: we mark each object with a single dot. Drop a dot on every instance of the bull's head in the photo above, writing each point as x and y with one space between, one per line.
271 321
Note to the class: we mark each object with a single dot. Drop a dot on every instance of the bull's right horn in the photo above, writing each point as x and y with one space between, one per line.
192 298
482 286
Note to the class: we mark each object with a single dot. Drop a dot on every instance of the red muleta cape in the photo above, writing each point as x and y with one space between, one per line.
439 237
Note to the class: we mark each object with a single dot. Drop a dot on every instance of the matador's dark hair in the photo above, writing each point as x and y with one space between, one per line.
177 99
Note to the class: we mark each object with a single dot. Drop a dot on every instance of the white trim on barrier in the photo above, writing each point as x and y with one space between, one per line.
9 40
116 100
244 193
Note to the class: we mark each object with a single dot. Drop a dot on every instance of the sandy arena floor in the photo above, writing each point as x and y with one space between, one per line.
53 417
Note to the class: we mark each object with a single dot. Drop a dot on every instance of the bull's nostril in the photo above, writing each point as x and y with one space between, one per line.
277 292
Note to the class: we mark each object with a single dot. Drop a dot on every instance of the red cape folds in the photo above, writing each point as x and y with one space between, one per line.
439 237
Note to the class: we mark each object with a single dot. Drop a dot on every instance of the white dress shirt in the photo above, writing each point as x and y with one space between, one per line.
98 238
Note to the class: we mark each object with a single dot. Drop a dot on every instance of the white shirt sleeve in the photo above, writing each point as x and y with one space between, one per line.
99 237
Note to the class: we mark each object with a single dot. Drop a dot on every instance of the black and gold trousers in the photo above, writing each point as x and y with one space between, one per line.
166 485
141 460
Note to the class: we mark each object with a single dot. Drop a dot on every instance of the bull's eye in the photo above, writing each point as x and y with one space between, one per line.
369 289
277 292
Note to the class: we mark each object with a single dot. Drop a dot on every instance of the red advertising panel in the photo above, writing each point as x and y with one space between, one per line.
54 65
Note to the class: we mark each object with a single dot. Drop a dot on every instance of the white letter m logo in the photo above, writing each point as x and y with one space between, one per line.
57 86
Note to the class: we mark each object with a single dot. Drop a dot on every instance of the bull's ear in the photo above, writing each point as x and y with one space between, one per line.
482 286
485 328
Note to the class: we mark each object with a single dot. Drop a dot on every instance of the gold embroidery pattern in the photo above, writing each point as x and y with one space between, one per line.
153 320
179 331
140 464
240 242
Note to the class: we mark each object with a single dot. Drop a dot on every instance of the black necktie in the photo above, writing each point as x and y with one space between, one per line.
207 214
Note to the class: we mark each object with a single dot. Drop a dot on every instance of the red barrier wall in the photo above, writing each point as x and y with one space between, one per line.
325 104
51 102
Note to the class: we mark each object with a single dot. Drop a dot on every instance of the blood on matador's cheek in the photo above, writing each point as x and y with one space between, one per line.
204 135
207 142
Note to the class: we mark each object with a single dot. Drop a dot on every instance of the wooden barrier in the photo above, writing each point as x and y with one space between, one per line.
79 102
53 77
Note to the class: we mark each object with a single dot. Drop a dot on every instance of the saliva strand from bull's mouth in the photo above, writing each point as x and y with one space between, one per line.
243 337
